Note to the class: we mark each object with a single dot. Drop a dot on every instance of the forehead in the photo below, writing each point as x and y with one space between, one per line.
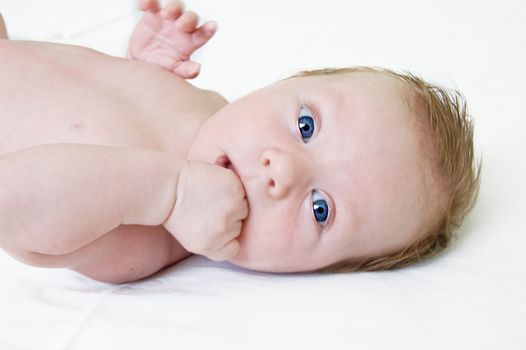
365 85
365 114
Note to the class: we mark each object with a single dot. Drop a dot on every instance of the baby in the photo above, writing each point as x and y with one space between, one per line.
117 168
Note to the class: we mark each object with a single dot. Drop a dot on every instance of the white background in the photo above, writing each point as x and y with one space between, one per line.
474 296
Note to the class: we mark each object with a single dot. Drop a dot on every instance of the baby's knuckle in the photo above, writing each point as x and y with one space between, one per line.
194 248
222 225
231 208
208 247
237 227
235 249
241 207
234 185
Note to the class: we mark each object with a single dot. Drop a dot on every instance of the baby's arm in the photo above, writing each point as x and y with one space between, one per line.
168 37
57 198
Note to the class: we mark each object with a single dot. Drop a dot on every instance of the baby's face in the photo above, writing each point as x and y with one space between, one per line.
330 169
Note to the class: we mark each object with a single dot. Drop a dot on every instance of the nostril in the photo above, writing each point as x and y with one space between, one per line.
271 183
265 161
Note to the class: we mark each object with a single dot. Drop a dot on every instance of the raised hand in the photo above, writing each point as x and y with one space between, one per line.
167 37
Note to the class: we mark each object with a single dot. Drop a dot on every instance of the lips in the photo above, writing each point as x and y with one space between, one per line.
224 161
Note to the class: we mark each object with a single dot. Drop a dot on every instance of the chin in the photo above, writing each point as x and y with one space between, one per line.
242 259
264 264
255 266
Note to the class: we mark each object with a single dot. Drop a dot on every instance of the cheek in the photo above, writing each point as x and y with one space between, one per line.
275 231
265 233
266 237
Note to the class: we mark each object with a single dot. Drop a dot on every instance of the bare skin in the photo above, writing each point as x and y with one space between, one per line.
91 111
3 30
117 168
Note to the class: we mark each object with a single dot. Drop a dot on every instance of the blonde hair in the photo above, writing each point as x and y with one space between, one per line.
444 113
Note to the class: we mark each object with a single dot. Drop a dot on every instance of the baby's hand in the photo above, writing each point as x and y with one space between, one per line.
168 37
209 208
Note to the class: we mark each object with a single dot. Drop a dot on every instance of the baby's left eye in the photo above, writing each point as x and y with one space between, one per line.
306 124
320 208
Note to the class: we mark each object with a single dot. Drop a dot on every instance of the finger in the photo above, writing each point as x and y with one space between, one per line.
225 253
188 21
244 210
163 61
234 231
187 69
149 5
204 33
173 10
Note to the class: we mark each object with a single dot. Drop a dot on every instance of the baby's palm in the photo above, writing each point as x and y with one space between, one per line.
168 37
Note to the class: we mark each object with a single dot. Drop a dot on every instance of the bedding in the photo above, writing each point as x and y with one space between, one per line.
471 297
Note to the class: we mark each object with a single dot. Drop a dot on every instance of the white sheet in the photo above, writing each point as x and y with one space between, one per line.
472 297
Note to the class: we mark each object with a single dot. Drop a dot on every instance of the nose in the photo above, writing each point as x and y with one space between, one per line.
283 171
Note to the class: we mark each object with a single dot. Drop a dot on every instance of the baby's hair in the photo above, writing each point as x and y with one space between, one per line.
448 149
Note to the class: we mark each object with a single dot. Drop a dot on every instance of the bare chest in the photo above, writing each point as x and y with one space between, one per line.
79 96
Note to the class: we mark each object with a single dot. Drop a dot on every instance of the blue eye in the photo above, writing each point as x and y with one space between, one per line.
320 208
306 124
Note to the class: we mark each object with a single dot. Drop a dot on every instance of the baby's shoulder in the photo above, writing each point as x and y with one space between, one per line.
216 100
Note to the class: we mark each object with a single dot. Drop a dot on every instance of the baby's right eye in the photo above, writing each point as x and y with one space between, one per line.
320 208
306 124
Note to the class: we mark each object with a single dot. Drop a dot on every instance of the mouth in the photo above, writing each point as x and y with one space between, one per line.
224 161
